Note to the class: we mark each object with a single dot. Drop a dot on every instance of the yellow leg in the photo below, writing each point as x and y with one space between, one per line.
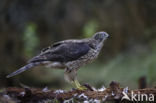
78 86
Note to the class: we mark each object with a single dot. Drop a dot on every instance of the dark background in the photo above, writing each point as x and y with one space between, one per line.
27 26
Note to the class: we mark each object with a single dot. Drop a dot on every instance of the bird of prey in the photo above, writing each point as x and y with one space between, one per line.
69 55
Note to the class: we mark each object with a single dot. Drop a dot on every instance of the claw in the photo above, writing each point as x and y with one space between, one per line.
78 86
82 88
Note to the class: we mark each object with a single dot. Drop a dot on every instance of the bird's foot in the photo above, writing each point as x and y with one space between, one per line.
82 88
78 86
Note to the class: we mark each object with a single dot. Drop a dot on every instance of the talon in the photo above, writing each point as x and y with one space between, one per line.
82 88
78 86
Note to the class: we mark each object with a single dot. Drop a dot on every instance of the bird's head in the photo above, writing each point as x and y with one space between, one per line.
100 36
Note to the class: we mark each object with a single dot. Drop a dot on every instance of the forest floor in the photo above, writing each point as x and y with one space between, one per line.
114 93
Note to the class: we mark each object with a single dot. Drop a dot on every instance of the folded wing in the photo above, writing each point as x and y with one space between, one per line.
63 52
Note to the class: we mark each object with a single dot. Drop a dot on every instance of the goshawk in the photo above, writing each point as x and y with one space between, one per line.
69 55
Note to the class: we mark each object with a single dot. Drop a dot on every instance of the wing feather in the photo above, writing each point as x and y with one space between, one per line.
63 52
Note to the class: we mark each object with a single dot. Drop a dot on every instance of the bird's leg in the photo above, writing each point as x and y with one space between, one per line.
71 76
78 86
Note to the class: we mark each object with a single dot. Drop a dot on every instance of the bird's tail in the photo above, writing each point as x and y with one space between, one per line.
24 68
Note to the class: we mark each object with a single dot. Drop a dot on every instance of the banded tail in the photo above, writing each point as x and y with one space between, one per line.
24 68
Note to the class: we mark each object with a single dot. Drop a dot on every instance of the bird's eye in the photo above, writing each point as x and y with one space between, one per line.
101 36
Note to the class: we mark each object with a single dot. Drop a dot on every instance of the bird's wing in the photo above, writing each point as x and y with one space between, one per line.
60 43
63 52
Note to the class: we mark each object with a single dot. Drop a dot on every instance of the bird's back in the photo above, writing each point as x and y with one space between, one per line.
63 52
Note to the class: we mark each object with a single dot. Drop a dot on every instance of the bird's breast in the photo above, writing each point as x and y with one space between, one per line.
88 58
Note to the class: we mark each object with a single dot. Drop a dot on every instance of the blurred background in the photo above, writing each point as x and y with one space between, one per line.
129 56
